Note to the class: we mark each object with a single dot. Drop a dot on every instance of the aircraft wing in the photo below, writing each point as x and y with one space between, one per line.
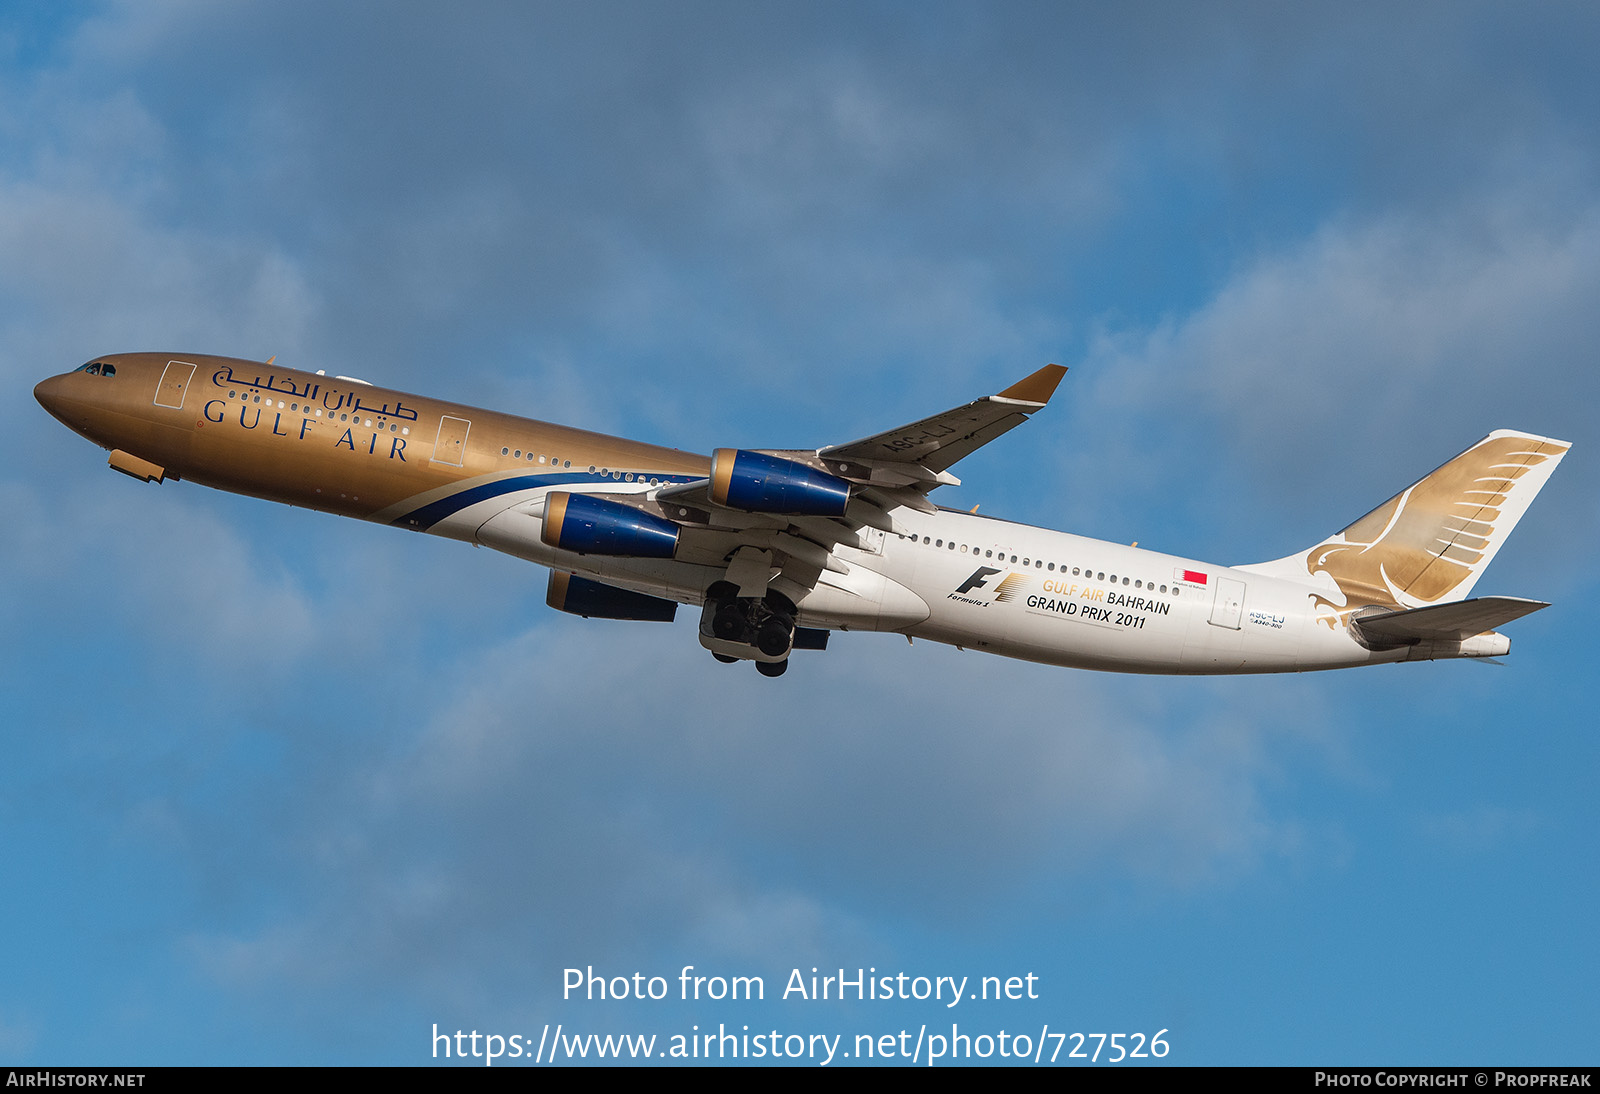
902 466
772 515
938 442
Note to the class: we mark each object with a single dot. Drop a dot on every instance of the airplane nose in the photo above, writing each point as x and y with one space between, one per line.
48 392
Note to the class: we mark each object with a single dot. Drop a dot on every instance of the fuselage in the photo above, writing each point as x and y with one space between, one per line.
347 447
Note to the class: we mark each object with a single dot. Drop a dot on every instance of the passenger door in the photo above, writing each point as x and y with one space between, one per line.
450 446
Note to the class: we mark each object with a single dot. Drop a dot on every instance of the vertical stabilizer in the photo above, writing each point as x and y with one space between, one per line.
1430 543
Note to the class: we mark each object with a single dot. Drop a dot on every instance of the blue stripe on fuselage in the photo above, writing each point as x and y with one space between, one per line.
428 515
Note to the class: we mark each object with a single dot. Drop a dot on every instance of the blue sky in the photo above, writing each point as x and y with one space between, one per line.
278 787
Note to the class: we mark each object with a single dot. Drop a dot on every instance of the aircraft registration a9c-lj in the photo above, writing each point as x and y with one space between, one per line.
780 547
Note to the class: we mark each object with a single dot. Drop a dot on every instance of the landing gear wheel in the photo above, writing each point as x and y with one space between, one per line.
772 668
725 659
774 637
729 622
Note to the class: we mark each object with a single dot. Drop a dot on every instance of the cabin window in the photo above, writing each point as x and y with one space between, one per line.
505 451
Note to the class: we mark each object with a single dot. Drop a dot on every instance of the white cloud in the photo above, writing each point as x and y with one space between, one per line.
1375 332
1479 829
88 273
17 1035
1327 374
139 562
604 794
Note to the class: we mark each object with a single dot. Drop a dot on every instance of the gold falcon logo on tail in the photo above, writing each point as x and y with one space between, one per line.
1430 543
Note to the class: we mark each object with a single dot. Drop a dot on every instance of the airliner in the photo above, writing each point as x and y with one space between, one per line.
778 548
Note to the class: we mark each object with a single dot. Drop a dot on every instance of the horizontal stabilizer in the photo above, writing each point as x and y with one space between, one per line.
1449 622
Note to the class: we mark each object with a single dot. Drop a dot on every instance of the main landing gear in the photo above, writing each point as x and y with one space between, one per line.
744 628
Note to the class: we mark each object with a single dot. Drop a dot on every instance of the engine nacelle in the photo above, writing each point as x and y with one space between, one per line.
596 526
758 483
597 600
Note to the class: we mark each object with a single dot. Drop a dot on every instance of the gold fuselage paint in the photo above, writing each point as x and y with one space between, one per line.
329 443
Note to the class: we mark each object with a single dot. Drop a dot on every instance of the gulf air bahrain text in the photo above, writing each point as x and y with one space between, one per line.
778 548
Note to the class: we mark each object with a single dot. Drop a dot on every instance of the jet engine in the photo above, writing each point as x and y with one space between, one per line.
597 526
758 483
597 600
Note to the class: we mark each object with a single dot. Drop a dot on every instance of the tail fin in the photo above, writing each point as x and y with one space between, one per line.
1430 543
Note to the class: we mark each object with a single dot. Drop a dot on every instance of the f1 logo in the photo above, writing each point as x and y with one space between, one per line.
976 581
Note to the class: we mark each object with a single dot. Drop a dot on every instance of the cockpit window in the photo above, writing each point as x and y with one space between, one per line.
98 368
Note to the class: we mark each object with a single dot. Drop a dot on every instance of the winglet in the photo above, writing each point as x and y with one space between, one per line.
1036 388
